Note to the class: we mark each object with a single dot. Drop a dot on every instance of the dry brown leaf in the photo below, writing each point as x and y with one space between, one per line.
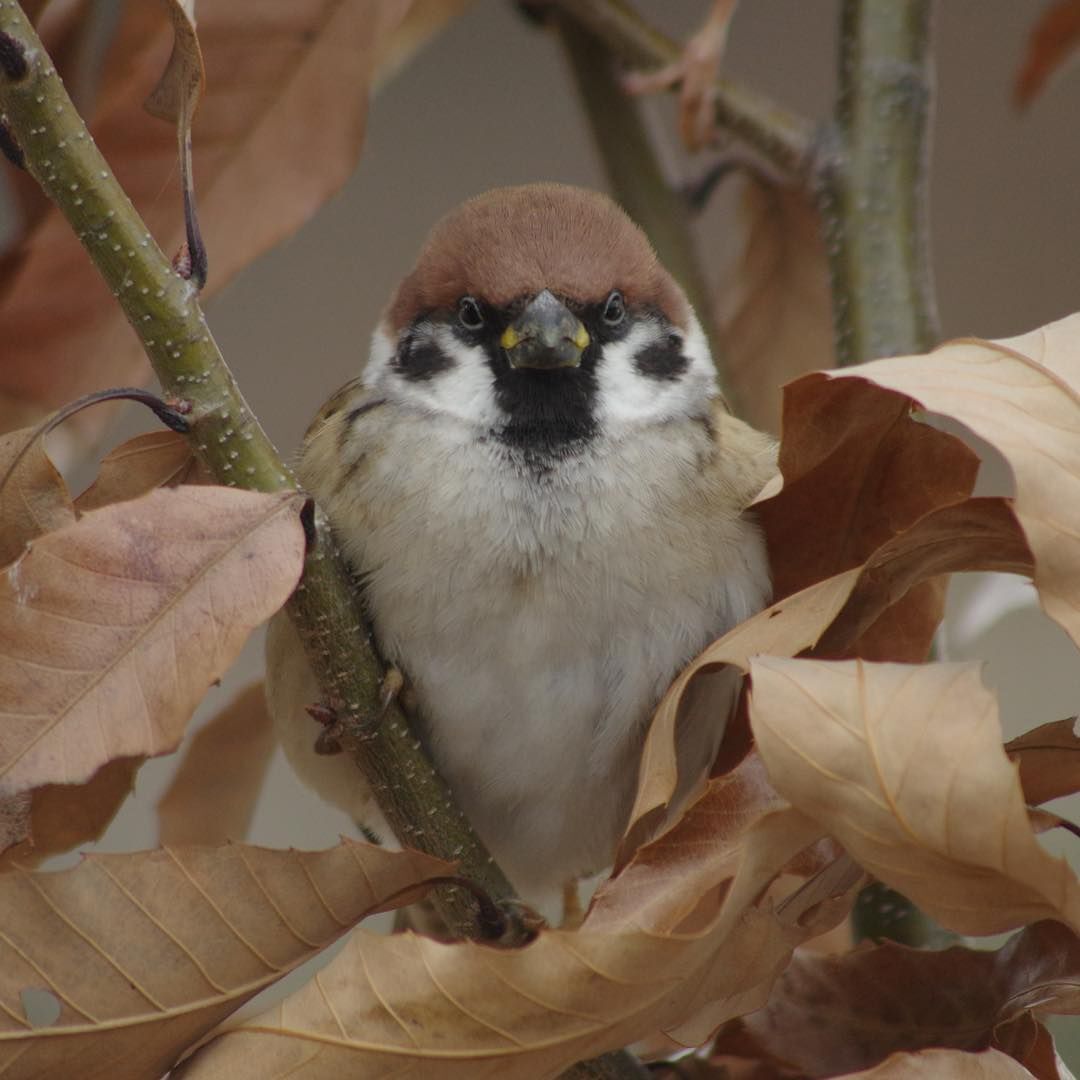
942 1064
34 498
784 629
891 998
1055 36
177 94
1021 396
666 878
144 952
114 627
62 816
1049 760
268 73
834 618
858 469
778 323
903 765
976 534
156 459
405 1003
212 795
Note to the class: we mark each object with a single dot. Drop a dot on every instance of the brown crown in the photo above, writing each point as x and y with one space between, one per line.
517 241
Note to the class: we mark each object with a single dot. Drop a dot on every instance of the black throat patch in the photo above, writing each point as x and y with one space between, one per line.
550 415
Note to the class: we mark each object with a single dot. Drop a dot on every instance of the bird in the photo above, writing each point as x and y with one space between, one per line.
545 502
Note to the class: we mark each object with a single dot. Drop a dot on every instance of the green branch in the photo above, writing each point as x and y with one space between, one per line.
781 137
872 182
163 308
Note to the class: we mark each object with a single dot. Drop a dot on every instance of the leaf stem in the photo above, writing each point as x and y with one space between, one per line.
163 309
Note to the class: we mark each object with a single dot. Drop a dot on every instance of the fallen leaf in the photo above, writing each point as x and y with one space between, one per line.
144 952
267 75
1020 396
954 1064
1049 760
63 816
893 998
33 499
903 765
115 626
1053 40
776 320
156 459
212 795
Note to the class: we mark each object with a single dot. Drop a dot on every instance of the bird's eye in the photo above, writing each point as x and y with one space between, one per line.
469 314
615 309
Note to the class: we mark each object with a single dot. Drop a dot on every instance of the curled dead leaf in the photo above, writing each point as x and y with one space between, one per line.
894 999
1055 36
212 795
904 766
144 952
776 319
63 816
1049 760
309 58
34 499
465 1010
155 598
156 459
1023 397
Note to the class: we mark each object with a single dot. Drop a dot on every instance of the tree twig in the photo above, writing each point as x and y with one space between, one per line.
633 170
872 182
781 137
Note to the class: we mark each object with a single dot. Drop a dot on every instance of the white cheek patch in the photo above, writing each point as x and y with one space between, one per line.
628 398
464 391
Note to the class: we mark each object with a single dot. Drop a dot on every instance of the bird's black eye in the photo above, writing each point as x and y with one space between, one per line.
615 309
469 314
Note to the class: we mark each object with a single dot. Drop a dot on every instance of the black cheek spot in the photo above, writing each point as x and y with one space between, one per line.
419 361
662 360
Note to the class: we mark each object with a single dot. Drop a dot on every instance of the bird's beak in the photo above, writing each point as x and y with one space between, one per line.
546 335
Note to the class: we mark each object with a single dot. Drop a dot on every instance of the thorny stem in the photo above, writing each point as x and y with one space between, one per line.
164 310
780 137
633 170
872 182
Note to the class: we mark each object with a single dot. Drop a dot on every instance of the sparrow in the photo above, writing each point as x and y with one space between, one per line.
544 499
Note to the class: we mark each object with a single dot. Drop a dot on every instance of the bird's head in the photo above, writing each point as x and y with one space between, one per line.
541 316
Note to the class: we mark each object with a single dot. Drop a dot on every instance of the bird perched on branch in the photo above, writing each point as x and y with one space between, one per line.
545 500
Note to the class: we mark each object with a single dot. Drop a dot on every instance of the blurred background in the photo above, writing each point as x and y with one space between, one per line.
489 102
